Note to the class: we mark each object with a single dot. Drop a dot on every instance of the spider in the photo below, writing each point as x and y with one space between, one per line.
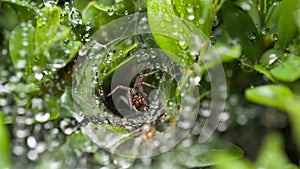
136 96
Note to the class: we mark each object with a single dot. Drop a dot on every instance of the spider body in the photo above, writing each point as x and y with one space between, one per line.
138 100
136 95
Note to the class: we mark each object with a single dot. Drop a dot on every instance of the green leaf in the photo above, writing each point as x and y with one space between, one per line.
272 154
289 70
240 27
14 12
271 95
227 163
4 145
265 71
29 88
281 97
226 53
174 34
47 33
197 12
21 47
287 28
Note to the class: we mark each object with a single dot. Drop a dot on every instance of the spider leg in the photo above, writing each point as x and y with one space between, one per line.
150 73
149 85
140 78
117 88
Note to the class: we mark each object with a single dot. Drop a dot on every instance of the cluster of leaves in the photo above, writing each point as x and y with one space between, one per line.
43 39
268 34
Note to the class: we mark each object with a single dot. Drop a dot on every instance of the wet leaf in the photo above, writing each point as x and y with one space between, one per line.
175 35
22 48
4 145
287 28
240 26
197 12
15 12
289 70
29 88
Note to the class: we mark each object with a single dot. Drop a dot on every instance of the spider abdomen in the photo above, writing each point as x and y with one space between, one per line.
138 101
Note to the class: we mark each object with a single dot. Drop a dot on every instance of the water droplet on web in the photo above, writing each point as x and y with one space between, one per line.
42 117
31 142
32 155
110 12
50 3
21 64
75 17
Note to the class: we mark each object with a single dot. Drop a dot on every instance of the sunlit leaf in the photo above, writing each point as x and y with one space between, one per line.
271 95
289 70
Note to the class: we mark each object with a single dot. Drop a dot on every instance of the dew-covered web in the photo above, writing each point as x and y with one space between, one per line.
116 55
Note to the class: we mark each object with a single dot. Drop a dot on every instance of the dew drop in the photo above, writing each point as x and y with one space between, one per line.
182 44
162 24
32 155
50 3
110 12
264 30
245 6
275 37
252 36
216 21
201 21
42 117
75 17
191 17
31 142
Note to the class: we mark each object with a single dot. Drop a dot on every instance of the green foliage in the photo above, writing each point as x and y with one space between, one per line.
4 145
271 155
40 43
287 28
241 27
